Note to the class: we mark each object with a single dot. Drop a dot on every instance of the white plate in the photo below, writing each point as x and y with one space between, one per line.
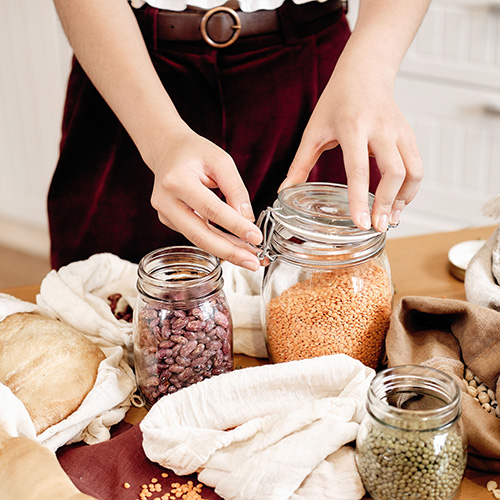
460 255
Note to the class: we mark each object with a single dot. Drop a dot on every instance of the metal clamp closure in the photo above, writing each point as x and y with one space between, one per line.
266 224
236 27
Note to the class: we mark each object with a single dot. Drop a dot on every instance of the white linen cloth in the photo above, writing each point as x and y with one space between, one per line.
482 277
76 295
242 289
271 432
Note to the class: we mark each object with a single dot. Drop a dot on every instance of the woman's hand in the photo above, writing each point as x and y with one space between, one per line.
186 171
108 44
364 119
357 111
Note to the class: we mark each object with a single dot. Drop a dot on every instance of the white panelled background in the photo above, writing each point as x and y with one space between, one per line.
34 65
448 88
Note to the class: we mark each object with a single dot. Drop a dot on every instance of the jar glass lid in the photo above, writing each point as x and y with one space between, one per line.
319 212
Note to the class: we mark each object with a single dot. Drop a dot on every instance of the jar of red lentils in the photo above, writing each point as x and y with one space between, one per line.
328 287
182 323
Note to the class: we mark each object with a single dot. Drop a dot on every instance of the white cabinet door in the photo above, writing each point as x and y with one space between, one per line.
458 133
458 41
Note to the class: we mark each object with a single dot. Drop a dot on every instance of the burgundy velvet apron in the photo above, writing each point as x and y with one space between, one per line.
253 99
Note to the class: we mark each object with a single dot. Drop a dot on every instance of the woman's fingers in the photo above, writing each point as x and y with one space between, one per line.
203 235
414 174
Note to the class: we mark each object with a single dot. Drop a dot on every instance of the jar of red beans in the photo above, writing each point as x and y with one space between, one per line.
328 287
182 322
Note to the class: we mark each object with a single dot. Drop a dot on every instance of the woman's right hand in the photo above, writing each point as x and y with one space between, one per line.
187 169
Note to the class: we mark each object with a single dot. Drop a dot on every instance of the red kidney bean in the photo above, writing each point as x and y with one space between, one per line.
199 349
175 348
183 360
164 353
188 348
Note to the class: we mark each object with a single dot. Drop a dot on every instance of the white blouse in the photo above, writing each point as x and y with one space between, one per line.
245 5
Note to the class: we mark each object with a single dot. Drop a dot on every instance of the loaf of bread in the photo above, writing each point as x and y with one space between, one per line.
29 470
48 365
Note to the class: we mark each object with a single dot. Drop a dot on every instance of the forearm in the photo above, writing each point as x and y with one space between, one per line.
108 44
383 32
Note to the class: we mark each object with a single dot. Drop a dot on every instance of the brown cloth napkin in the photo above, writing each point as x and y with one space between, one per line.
101 470
448 334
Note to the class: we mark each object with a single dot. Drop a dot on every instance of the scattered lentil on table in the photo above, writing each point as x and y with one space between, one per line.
177 491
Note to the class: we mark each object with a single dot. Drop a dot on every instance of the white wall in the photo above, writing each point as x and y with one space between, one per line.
34 65
449 90
457 143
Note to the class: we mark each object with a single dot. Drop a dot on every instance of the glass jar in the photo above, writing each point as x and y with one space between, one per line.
411 444
182 323
328 287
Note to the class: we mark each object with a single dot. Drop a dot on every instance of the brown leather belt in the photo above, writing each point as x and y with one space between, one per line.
221 26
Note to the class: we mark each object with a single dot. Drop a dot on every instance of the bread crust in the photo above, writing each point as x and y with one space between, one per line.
49 365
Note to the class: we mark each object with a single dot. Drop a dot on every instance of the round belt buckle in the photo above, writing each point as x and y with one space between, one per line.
236 27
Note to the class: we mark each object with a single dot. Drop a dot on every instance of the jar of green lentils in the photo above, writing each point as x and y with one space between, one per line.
411 444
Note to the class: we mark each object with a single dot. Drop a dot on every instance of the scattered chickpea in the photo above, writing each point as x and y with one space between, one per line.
478 390
126 486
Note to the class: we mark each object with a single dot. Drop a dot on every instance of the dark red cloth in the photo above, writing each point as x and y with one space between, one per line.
101 470
253 99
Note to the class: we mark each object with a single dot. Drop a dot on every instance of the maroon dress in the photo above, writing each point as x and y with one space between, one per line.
253 99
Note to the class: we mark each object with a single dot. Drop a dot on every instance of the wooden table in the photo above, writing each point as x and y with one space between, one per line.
419 266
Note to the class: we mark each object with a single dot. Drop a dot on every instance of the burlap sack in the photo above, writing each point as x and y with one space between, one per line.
448 335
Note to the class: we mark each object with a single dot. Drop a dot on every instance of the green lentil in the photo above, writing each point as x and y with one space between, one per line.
422 465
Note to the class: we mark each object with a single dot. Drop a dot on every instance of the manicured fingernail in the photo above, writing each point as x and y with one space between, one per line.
250 265
395 217
365 221
253 237
382 223
246 211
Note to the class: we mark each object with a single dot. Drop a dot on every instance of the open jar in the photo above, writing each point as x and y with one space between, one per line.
328 287
182 323
411 444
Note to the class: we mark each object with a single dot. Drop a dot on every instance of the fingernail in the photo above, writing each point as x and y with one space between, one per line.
250 265
365 221
395 217
382 223
253 237
283 185
246 211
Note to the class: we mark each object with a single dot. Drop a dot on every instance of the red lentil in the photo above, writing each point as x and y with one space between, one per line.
337 311
183 491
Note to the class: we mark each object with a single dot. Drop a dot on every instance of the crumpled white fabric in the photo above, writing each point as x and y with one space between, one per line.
242 289
482 277
76 295
271 432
